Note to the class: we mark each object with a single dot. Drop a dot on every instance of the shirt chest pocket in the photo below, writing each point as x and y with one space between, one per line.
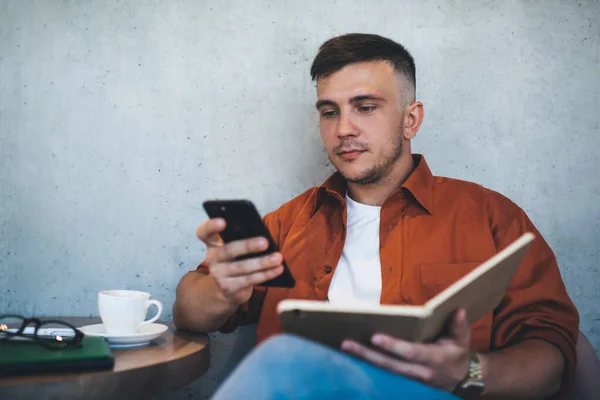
437 277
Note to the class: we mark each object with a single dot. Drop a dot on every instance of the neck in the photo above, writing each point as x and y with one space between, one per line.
375 194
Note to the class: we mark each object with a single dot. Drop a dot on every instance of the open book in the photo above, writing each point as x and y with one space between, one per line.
479 292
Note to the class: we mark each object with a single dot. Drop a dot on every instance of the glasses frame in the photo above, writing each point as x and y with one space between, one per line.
74 341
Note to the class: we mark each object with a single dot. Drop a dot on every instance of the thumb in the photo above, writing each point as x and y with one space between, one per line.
209 232
460 327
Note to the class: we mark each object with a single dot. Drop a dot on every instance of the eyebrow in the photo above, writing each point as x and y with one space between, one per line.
355 99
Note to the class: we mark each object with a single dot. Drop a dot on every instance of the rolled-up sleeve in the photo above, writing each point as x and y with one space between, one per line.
536 305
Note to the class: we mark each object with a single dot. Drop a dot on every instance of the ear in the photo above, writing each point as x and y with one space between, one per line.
412 120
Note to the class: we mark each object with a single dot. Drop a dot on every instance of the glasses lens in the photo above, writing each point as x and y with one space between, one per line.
55 334
9 324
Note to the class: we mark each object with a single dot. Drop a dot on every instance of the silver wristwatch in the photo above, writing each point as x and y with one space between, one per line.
471 386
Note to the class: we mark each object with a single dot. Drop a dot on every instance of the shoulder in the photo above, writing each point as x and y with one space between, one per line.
506 220
293 206
280 220
451 189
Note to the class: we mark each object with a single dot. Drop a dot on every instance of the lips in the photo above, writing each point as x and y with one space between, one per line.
350 154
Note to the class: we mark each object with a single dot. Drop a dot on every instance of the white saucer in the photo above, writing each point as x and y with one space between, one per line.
144 336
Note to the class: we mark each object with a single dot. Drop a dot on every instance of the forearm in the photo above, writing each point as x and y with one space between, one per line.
198 306
532 369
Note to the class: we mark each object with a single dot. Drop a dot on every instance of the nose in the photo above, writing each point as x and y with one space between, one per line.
345 126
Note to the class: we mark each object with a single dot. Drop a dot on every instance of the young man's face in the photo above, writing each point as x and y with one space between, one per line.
361 112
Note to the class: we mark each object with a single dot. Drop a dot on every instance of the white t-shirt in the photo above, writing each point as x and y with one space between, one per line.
357 278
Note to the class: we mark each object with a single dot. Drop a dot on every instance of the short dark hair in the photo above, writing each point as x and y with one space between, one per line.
340 51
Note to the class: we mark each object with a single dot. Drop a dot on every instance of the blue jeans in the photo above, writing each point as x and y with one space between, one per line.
288 367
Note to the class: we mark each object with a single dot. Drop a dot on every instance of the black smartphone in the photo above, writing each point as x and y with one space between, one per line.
244 222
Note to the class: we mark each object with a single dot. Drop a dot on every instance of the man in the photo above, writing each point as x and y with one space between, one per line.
384 230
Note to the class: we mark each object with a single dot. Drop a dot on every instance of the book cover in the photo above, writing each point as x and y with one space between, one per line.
17 357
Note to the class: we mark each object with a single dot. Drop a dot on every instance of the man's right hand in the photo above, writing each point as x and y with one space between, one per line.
235 279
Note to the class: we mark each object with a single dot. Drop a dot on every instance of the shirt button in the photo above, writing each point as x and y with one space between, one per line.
327 269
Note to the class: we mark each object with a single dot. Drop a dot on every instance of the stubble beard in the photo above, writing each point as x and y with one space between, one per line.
377 172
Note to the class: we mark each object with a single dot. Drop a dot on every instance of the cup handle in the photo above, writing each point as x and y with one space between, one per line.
158 305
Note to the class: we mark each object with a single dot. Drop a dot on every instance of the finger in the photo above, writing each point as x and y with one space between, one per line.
231 251
252 265
409 351
208 231
231 285
460 328
408 369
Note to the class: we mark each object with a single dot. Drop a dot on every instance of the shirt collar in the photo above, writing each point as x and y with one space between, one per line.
419 184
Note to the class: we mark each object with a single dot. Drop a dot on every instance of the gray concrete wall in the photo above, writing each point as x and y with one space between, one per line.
118 118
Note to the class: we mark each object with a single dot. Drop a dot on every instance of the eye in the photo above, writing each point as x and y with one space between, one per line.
367 108
328 113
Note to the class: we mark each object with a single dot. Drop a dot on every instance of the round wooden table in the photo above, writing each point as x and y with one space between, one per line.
173 360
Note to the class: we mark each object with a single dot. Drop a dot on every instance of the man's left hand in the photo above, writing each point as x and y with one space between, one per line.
442 364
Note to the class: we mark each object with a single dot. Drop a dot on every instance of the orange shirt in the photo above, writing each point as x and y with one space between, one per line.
433 231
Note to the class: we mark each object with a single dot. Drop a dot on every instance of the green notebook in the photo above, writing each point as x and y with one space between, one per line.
28 358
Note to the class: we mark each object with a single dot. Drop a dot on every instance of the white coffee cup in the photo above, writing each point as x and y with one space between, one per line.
124 311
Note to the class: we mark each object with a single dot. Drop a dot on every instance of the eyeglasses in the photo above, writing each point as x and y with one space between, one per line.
52 334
